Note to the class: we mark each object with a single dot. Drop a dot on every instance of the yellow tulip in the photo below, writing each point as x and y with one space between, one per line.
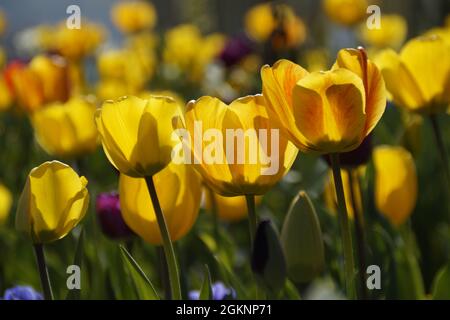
240 173
168 93
53 202
345 12
392 33
262 20
133 16
414 79
395 183
326 112
66 130
75 44
230 209
181 49
137 134
179 191
6 200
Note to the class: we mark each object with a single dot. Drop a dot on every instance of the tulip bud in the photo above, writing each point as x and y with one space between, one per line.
5 203
302 242
52 203
110 216
267 257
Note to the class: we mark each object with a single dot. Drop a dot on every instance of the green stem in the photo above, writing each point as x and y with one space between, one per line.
43 271
215 217
165 281
359 232
441 147
172 267
252 218
345 228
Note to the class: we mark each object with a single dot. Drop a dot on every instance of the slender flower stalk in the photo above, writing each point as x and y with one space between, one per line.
354 188
172 267
441 147
345 228
252 218
43 272
215 215
163 269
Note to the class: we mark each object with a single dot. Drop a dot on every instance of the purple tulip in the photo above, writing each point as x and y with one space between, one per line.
236 49
110 216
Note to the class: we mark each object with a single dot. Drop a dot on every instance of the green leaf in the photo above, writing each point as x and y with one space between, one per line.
75 294
144 287
206 290
441 284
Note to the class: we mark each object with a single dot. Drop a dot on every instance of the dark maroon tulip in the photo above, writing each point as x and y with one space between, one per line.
110 216
357 157
236 49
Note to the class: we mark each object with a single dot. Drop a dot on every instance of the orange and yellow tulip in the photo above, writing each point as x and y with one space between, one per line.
326 112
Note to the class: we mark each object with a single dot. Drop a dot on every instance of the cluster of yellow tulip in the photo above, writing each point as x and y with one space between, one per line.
330 113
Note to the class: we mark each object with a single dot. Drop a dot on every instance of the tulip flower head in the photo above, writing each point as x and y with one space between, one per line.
416 82
235 147
53 202
326 112
395 183
133 16
345 12
136 133
66 130
179 192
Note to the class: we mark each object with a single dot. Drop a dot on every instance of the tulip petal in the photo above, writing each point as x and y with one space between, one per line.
329 110
428 61
278 83
399 81
375 92
395 183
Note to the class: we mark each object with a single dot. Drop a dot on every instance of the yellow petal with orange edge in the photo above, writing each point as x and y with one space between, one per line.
329 111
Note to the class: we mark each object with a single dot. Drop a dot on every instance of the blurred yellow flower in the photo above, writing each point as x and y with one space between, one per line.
137 134
392 33
263 20
75 44
330 191
112 89
133 68
5 95
181 49
316 60
133 16
3 22
345 12
414 79
2 58
52 203
247 171
6 200
179 192
326 112
66 130
395 183
229 209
